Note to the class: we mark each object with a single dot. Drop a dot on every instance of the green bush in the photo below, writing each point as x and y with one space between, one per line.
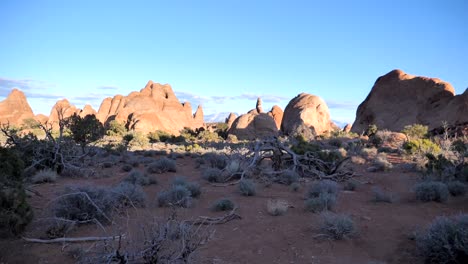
371 130
15 212
223 205
207 136
440 168
445 241
159 136
115 128
302 146
247 187
85 129
139 140
460 146
431 191
421 146
415 131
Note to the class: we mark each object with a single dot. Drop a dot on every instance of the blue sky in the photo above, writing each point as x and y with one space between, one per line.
224 54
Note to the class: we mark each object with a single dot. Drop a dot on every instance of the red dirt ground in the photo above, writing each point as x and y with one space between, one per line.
384 228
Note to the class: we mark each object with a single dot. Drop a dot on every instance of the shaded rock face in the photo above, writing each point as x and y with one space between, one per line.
277 114
347 128
253 125
306 111
15 109
230 119
155 107
398 99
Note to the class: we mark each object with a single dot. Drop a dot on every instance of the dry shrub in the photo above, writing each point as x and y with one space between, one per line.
321 196
247 187
43 176
431 191
223 205
358 160
380 163
445 240
277 207
368 152
162 165
380 196
337 226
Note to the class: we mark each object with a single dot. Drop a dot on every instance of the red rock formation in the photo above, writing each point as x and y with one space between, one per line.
307 111
87 110
155 107
61 110
398 99
15 109
253 125
41 118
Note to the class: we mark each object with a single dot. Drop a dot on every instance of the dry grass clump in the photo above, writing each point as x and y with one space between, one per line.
380 163
337 226
287 177
368 152
85 203
321 196
180 194
350 185
140 178
380 196
130 194
43 176
276 207
247 187
213 175
126 167
358 160
215 160
162 165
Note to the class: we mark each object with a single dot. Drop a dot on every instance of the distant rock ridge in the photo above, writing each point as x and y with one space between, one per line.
254 124
155 107
398 99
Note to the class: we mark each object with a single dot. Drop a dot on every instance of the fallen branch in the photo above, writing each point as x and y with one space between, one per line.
70 239
205 220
